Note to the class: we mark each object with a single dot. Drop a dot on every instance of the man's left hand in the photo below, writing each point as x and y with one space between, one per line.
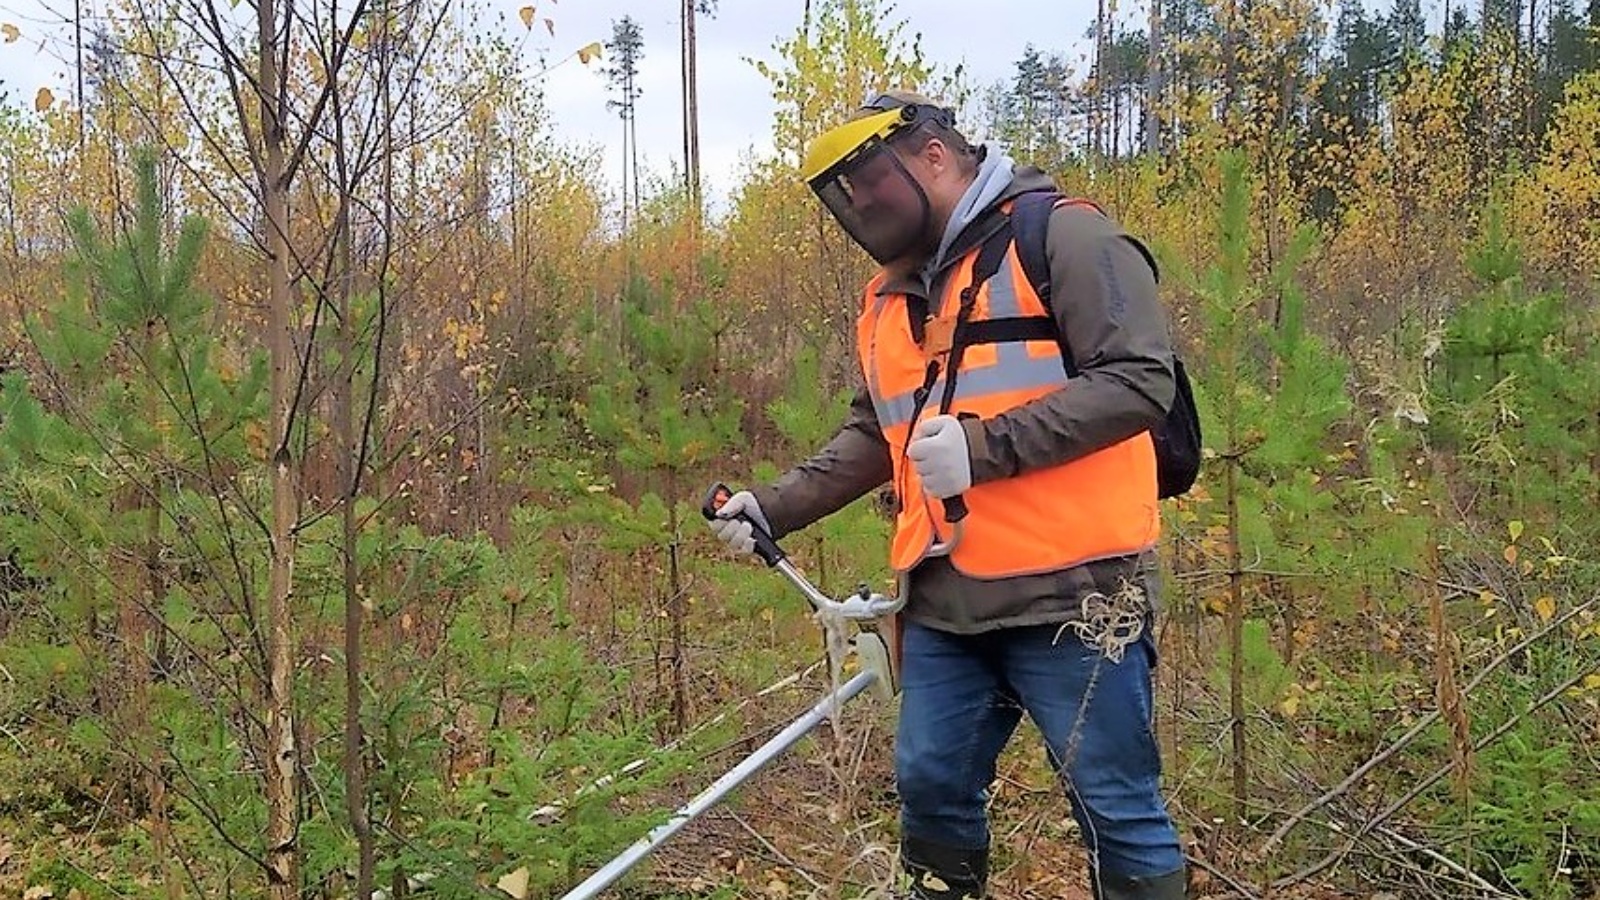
939 451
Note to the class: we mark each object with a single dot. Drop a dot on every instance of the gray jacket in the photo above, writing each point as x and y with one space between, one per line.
1104 300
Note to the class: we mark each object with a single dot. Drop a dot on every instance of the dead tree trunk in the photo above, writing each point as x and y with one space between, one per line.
281 762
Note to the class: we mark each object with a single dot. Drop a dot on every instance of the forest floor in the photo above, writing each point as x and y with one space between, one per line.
819 822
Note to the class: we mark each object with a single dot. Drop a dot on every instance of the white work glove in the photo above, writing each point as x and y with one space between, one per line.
939 451
737 533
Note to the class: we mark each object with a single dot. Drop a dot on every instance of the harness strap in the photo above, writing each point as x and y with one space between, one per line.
1011 330
990 256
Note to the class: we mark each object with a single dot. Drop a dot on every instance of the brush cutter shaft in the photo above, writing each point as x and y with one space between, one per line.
772 749
818 599
863 604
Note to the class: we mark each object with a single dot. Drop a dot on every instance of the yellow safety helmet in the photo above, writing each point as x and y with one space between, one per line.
841 142
879 117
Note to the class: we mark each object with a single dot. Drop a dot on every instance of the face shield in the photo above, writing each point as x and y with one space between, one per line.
855 172
878 202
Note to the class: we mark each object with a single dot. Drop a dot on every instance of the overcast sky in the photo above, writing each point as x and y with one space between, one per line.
736 107
735 101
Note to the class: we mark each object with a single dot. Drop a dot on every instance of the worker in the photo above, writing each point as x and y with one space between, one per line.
1042 598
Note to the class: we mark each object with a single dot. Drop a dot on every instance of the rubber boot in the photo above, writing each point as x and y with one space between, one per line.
937 872
1111 886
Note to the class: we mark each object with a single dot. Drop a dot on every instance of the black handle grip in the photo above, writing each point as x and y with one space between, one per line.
955 509
766 548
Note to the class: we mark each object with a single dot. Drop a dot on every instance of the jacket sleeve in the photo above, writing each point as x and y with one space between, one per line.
1103 294
846 468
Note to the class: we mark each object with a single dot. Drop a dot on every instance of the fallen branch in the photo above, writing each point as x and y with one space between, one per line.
1383 816
1412 734
1424 882
1545 700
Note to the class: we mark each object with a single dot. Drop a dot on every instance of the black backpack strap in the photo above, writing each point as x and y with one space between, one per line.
990 256
1030 218
987 264
1012 329
1030 221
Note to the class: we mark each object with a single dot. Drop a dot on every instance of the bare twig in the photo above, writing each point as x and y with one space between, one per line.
1423 882
552 812
1224 877
777 854
1545 700
20 745
1200 574
1416 730
1455 588
1472 877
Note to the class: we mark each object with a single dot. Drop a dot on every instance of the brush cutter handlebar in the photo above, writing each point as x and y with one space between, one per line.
863 603
766 547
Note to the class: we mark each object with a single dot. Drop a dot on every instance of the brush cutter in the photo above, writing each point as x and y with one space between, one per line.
876 672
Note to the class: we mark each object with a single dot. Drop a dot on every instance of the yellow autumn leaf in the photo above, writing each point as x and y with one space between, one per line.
1545 607
527 16
1592 682
515 883
1511 554
591 51
43 99
10 32
1515 527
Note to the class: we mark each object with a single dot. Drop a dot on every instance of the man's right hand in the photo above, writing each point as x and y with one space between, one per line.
736 532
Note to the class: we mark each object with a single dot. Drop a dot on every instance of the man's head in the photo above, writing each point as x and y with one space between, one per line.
892 173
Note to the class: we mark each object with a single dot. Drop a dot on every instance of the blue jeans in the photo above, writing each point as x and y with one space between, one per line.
962 696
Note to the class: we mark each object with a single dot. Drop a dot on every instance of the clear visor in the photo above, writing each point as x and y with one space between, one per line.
877 201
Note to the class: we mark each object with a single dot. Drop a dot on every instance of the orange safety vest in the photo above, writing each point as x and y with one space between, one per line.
1094 507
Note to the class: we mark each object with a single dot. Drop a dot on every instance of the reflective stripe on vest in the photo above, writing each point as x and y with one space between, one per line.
1094 507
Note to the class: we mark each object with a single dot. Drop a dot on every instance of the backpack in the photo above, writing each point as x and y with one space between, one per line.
1177 438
